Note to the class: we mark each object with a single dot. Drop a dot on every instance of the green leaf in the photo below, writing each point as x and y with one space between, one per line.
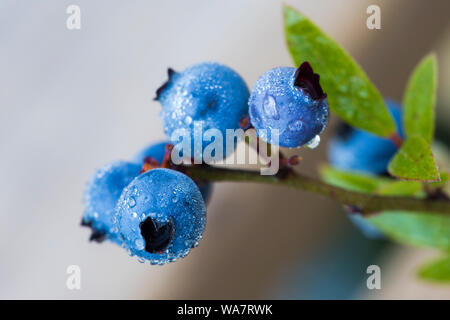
443 184
366 183
437 270
353 181
401 188
420 98
417 229
351 95
414 161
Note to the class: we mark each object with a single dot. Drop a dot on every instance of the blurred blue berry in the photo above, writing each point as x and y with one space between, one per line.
358 150
160 216
207 93
101 195
367 228
292 101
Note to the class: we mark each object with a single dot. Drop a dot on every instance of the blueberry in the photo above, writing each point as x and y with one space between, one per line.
209 94
367 228
160 216
291 101
101 195
358 150
157 151
154 150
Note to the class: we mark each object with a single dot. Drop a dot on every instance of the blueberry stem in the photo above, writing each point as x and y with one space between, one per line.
367 203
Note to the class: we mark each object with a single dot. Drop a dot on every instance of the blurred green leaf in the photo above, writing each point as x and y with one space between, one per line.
417 229
351 95
401 188
437 270
366 183
414 161
353 181
443 184
420 98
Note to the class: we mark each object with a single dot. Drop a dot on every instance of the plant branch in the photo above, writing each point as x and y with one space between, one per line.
365 203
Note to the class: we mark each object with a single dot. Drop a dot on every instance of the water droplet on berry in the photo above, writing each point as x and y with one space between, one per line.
141 260
131 202
270 107
295 125
188 120
139 244
313 143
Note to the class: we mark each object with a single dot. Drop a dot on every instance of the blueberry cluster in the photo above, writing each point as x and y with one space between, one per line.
153 209
358 150
142 210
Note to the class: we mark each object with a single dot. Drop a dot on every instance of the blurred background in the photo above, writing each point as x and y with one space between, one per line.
71 101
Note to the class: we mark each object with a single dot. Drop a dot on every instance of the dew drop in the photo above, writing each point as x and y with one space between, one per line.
188 120
313 143
295 125
139 244
270 107
141 260
131 202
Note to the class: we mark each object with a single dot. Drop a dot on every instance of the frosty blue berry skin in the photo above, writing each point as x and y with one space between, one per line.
291 101
101 195
160 216
358 150
209 94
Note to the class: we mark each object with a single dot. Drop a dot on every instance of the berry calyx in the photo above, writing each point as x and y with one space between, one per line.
307 80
